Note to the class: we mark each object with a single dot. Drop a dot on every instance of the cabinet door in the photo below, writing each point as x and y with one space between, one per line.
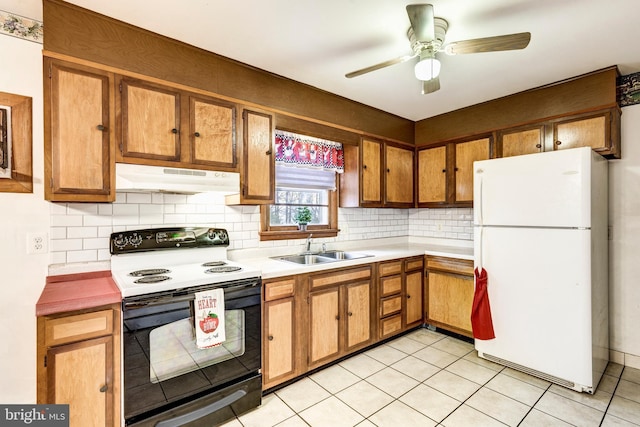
413 296
358 320
371 172
432 175
212 132
258 171
524 141
150 121
79 145
89 394
279 345
450 300
324 321
398 175
467 153
590 132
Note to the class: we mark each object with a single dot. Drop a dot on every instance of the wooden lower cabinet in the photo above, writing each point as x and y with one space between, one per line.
340 307
280 360
450 294
79 365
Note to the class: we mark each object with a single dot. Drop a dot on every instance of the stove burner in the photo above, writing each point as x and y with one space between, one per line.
214 264
149 272
224 269
152 279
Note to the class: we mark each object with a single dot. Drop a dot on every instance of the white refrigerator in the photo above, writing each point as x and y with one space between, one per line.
540 231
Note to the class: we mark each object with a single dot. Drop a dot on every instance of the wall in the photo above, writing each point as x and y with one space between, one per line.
22 275
624 216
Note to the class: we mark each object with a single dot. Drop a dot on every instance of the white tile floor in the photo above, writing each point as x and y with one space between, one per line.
426 378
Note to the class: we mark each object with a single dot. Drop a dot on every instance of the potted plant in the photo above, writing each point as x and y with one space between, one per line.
302 217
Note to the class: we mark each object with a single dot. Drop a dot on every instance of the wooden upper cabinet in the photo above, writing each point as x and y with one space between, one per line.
257 175
79 138
371 172
599 131
467 153
399 175
212 132
150 121
517 142
377 174
432 175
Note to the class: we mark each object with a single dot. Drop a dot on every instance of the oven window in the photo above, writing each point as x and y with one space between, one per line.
173 351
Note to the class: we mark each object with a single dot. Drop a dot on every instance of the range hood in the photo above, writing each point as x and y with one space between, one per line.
174 180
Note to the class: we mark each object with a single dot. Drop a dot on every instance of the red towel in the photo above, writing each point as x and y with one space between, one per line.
481 311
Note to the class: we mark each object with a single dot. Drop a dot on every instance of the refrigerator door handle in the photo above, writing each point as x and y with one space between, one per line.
480 223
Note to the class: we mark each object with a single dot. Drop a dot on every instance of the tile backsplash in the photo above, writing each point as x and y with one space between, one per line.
80 231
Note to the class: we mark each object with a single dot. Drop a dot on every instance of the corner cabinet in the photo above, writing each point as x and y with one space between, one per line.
377 174
79 137
79 364
257 174
445 173
449 294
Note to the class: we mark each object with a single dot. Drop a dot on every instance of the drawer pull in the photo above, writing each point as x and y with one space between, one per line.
270 337
104 388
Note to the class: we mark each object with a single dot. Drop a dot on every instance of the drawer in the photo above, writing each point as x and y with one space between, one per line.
413 264
389 268
390 305
390 285
451 265
78 327
279 289
390 325
334 278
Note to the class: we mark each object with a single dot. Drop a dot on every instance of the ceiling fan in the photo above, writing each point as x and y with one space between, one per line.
426 36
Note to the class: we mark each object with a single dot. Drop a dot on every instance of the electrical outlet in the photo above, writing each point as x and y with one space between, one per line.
37 243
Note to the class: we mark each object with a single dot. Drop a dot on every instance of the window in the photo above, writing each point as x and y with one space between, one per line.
305 176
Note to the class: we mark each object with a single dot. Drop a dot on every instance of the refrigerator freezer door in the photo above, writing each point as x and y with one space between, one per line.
540 294
547 189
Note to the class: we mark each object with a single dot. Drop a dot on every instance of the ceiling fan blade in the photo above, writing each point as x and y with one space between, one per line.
489 44
379 66
421 18
430 86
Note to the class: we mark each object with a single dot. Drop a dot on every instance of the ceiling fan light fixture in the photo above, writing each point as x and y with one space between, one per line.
427 68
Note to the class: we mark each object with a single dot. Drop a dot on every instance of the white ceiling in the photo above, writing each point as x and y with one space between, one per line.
317 41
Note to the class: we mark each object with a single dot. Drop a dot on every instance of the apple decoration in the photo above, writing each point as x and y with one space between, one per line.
209 323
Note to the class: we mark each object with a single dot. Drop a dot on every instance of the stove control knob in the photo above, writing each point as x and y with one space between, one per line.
120 241
135 240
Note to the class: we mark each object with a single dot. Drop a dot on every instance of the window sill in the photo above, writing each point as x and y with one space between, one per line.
297 234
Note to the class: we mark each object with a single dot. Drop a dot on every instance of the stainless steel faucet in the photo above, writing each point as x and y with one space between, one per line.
308 244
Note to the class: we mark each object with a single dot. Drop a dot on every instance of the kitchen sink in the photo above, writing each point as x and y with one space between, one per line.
320 257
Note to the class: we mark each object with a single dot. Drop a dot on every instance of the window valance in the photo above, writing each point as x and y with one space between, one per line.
306 151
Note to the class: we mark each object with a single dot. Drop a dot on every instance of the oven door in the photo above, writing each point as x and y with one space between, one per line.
164 370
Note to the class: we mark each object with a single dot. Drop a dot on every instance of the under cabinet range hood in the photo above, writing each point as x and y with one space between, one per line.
145 178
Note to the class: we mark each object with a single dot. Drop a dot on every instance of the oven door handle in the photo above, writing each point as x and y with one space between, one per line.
199 413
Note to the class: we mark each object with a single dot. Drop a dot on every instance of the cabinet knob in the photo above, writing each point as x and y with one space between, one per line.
338 317
558 142
197 134
538 146
100 128
350 313
174 130
268 152
456 169
104 388
408 296
364 166
444 170
270 338
388 170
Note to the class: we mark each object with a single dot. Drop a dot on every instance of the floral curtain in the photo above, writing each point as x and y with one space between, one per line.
306 151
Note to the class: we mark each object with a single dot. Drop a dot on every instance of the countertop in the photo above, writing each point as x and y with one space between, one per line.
72 292
272 268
